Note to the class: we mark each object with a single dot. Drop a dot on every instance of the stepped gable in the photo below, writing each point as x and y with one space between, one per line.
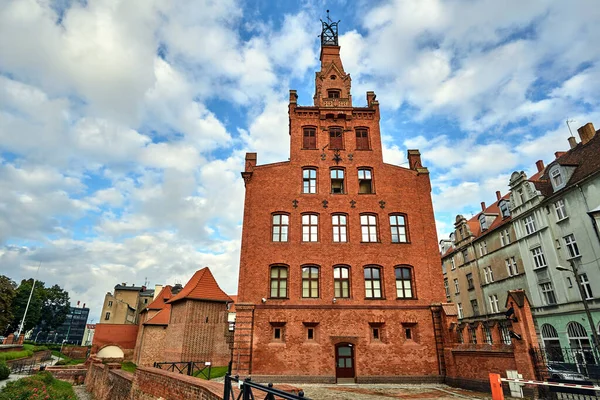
202 286
162 298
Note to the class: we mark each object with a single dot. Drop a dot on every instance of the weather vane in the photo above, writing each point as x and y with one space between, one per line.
329 34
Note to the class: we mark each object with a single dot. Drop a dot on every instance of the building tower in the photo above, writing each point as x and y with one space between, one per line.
339 273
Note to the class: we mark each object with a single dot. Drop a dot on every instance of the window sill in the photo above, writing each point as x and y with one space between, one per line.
406 298
400 242
471 288
278 298
562 219
367 193
307 148
540 268
363 149
374 298
378 242
577 257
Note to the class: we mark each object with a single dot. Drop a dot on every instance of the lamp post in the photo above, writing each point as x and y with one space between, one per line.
575 271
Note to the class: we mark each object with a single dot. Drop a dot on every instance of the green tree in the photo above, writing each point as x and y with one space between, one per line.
19 304
7 294
55 307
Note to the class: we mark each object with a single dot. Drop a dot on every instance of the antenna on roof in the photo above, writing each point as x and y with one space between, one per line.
569 126
146 281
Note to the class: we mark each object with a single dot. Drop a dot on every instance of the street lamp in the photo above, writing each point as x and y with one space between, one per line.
575 271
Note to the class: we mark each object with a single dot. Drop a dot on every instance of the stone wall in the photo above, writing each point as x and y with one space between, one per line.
75 351
74 374
107 382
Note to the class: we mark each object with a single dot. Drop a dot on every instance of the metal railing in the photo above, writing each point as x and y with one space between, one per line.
246 392
190 368
583 360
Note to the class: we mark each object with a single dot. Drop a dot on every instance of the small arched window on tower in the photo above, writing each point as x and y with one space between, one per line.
333 93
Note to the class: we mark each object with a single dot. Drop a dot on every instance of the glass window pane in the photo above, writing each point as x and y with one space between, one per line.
368 273
313 173
285 219
274 272
276 219
375 273
344 351
344 272
342 220
348 363
371 219
315 292
335 219
406 273
313 219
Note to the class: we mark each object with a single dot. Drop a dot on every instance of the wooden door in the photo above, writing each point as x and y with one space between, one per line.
344 361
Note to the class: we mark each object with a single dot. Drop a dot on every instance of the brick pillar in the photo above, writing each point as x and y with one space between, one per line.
524 327
496 336
479 333
242 342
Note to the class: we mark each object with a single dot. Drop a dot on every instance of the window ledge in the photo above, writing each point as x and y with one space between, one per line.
400 242
406 298
562 219
471 288
377 242
374 298
540 268
574 257
366 193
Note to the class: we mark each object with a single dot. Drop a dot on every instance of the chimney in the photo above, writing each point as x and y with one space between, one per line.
540 165
483 206
498 195
586 132
559 154
250 161
414 159
572 142
143 288
157 289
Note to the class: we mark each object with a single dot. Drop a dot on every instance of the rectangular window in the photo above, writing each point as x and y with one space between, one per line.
340 228
408 333
472 333
310 227
309 180
504 209
404 283
278 282
336 139
456 287
460 310
470 281
368 226
556 178
503 328
365 181
278 334
310 282
110 303
529 224
310 333
280 227
309 139
333 94
375 332
548 293
493 299
341 282
585 285
511 266
465 254
475 307
337 181
452 263
362 139
572 248
487 333
447 289
538 258
398 227
505 237
107 316
561 211
372 283
488 274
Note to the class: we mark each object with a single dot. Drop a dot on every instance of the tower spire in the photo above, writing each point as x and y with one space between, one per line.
329 33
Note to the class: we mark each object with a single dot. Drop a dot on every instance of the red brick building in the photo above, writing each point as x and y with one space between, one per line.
152 331
339 262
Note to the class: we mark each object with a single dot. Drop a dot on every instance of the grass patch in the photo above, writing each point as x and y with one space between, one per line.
215 372
128 366
34 348
64 360
13 355
40 386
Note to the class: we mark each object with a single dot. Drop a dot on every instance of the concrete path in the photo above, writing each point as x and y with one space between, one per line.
82 393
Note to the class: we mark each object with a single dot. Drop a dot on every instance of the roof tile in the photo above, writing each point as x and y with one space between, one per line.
202 286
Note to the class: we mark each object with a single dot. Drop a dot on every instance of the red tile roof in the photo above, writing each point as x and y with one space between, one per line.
160 300
162 317
234 299
202 286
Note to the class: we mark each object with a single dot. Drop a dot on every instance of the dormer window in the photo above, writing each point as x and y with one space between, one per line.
333 93
557 178
504 209
483 222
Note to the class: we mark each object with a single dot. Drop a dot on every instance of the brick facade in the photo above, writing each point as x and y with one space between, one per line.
272 331
123 336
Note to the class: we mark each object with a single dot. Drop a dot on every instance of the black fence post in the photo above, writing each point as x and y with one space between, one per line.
227 386
246 390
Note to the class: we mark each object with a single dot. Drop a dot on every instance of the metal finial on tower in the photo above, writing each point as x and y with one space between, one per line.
329 34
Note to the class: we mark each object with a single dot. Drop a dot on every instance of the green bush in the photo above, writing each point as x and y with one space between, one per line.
42 386
128 366
4 370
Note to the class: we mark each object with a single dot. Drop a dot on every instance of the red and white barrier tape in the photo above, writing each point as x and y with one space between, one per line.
542 383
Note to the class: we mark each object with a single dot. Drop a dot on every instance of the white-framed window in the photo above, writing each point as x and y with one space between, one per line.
561 211
339 223
456 287
504 209
447 289
504 237
548 295
309 180
488 274
337 181
398 228
465 254
557 179
453 266
538 257
460 310
483 222
368 226
493 299
529 224
482 248
280 227
310 227
511 266
585 285
470 284
572 248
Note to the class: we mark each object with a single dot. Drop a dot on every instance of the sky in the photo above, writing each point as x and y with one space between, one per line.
124 124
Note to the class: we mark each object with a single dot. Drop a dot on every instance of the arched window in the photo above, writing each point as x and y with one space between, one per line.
398 228
551 343
309 137
341 281
309 180
310 227
365 180
368 227
310 282
404 284
337 180
339 224
336 138
579 342
280 227
279 275
373 286
362 139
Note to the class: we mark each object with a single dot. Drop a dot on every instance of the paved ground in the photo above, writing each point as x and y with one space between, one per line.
81 393
382 392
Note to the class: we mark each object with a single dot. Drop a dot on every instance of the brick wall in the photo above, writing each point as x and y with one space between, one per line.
123 336
75 351
151 345
72 374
